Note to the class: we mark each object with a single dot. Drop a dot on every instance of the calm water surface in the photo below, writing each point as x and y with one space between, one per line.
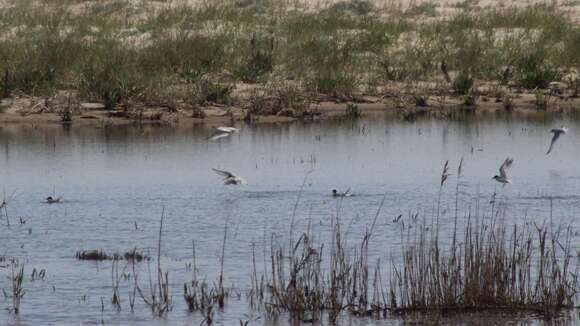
116 181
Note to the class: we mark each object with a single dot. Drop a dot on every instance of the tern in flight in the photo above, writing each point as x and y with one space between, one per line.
227 130
223 132
503 177
557 133
230 178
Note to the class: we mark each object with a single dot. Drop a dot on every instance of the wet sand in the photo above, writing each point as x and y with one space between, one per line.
29 110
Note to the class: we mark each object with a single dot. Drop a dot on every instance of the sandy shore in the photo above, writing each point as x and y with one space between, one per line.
28 110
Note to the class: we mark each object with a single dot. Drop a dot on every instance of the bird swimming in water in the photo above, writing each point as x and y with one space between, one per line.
503 177
230 178
52 200
346 193
557 133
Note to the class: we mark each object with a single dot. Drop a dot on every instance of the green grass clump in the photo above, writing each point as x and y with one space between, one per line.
258 61
463 83
205 91
118 53
428 9
111 78
333 84
533 71
357 7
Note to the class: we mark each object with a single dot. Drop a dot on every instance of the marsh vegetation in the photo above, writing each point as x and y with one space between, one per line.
482 263
275 57
456 249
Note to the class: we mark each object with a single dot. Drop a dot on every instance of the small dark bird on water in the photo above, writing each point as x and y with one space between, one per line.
52 200
346 193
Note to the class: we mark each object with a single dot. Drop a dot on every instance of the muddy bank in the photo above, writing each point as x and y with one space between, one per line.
62 109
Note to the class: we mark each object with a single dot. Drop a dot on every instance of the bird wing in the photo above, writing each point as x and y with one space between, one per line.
224 174
506 165
227 129
347 191
223 129
557 133
218 136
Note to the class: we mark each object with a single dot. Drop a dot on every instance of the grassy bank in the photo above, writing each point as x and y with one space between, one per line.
269 56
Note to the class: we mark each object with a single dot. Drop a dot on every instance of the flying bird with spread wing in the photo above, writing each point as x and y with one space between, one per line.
223 132
503 177
227 130
229 178
557 133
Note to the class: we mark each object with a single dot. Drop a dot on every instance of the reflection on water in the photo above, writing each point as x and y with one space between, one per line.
116 181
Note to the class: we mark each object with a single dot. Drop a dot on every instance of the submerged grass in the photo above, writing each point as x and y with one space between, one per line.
203 297
17 278
92 255
159 297
122 54
99 255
